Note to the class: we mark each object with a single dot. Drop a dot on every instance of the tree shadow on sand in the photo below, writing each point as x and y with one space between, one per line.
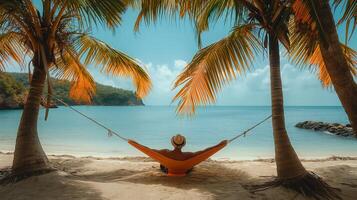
223 182
343 177
214 179
55 185
210 177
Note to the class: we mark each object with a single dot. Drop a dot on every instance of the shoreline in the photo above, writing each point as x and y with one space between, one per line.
222 160
74 105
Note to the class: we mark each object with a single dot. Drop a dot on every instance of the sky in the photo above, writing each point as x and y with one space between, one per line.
164 48
168 45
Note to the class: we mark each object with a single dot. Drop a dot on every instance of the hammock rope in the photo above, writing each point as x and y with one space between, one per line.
111 132
249 129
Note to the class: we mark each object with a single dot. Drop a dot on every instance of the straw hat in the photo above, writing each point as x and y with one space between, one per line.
178 140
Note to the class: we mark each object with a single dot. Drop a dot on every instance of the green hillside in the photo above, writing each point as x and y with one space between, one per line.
11 92
13 87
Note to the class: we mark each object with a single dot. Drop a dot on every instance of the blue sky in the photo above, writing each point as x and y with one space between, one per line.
167 46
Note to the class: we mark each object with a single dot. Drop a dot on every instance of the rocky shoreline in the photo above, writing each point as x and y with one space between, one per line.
333 128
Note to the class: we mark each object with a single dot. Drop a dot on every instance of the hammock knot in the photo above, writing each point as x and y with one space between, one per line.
110 133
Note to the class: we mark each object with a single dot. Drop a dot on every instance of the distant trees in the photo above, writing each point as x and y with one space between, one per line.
13 92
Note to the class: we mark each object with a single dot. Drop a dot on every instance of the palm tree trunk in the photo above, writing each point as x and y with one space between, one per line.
336 63
287 162
29 156
291 172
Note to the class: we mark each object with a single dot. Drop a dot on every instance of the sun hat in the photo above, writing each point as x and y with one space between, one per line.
178 140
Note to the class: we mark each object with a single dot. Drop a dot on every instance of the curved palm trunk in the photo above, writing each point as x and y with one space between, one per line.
336 63
287 161
29 156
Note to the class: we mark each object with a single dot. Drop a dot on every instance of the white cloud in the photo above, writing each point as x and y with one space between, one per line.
163 77
180 64
300 86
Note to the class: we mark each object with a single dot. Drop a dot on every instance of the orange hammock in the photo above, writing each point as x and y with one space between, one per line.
177 167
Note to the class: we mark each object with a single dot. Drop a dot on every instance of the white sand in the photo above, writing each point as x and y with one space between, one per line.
140 178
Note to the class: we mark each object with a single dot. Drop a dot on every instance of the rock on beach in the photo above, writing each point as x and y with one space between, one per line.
334 128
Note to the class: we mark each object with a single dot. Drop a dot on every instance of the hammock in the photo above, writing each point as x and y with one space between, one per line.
175 167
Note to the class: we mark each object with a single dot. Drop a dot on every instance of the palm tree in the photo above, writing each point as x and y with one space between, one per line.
316 29
217 64
58 42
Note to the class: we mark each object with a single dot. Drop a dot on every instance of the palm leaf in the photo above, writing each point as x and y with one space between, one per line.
21 11
305 52
215 9
105 12
303 42
113 62
151 10
214 66
305 14
10 49
68 67
317 61
349 16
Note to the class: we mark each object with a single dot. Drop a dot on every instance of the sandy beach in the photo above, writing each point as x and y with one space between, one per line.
140 178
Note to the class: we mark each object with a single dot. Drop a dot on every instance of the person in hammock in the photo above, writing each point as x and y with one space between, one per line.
178 142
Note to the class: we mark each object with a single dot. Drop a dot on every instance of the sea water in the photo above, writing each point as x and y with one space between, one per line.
67 132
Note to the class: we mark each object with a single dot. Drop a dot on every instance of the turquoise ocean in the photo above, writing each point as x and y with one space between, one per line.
66 132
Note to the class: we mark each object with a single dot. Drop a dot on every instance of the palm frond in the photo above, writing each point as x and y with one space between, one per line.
151 10
306 16
10 49
303 42
317 61
113 62
305 11
68 67
214 66
305 52
15 15
105 12
215 9
317 64
349 16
